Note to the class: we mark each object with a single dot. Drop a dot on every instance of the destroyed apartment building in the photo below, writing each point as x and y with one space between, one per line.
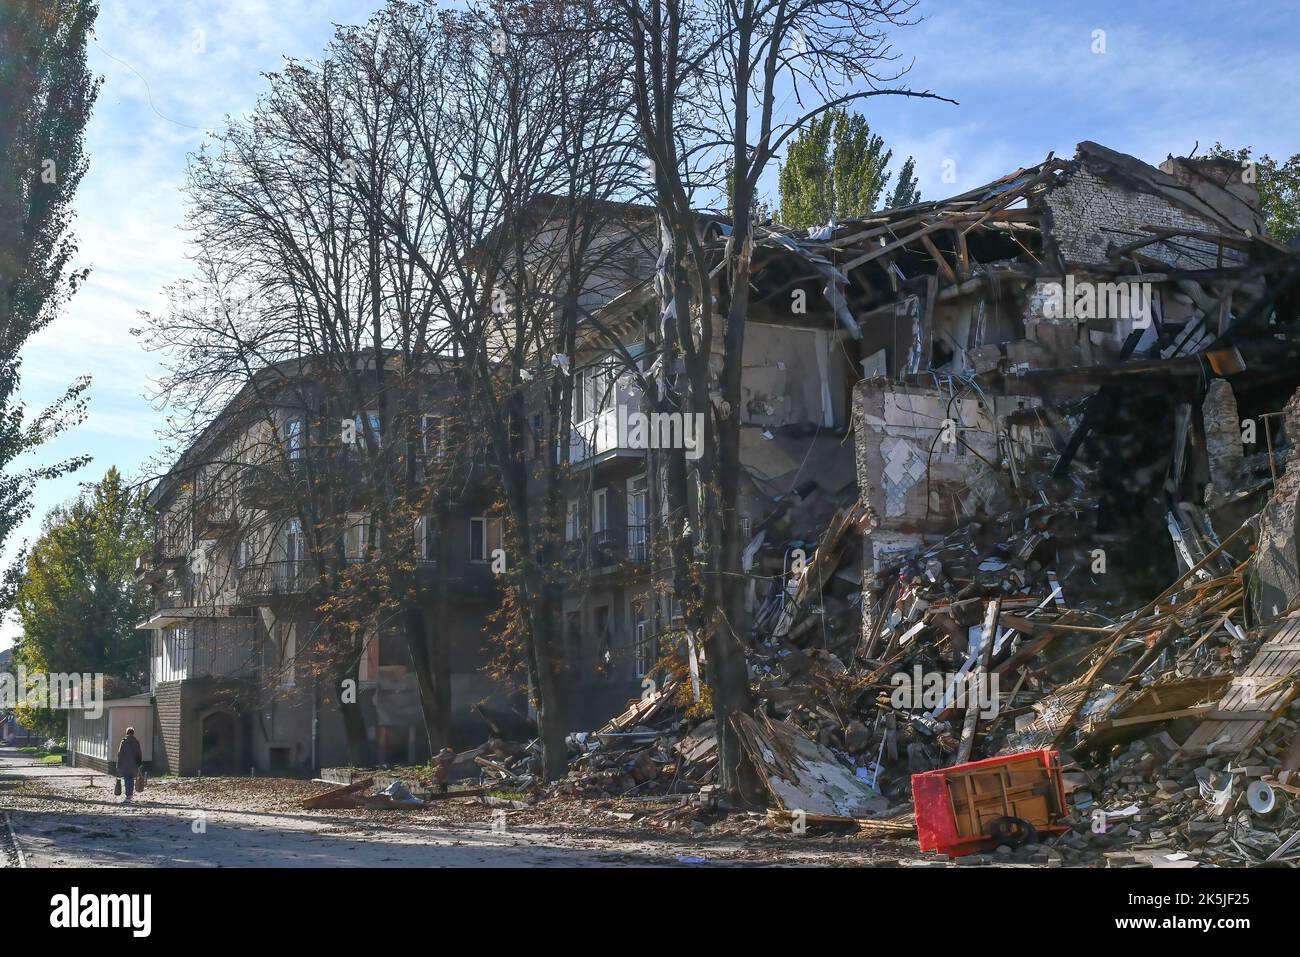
1071 397
1073 418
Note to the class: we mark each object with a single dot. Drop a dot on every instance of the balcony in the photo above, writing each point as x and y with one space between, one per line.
171 551
275 579
171 599
276 485
145 572
264 489
212 520
474 579
226 648
607 549
177 608
221 647
602 437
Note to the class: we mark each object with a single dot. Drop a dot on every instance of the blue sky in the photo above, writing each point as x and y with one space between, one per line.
1024 73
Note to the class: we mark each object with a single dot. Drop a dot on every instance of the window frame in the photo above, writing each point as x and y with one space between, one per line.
483 537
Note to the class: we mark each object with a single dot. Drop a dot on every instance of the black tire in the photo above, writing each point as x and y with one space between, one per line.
1013 831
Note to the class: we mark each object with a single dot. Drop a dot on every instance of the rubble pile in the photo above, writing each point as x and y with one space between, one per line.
635 752
1173 717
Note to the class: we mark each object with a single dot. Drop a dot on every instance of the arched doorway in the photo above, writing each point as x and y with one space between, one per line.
220 743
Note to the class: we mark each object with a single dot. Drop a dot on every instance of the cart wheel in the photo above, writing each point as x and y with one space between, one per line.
1013 831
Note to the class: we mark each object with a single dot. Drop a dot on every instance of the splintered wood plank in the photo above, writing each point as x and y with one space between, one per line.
341 796
1254 698
939 259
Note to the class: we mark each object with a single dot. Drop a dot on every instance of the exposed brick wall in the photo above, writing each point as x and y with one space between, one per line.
1088 213
167 732
86 761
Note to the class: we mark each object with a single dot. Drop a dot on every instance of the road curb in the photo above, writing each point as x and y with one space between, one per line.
13 839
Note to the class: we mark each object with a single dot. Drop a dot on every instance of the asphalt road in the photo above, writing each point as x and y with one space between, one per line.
73 820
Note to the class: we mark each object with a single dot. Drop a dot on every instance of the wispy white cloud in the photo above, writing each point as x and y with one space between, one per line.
195 62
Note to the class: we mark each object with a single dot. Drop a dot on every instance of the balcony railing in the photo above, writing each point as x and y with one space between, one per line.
638 544
271 579
212 520
599 434
171 550
273 485
608 547
165 600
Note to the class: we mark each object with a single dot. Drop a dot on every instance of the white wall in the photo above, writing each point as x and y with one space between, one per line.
99 737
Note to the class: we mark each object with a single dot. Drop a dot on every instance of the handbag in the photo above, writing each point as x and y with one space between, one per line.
117 787
140 780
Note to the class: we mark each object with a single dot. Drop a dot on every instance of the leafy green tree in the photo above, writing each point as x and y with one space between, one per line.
79 601
46 97
906 192
837 165
1278 185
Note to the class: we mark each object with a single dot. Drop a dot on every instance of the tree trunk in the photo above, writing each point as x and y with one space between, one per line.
354 724
431 661
544 671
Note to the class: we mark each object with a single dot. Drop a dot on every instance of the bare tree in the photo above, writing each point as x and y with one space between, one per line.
757 70
523 112
436 200
314 319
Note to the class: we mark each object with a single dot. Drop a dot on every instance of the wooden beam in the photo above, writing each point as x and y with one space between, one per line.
939 259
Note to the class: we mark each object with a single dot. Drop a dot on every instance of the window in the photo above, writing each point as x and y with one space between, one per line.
647 651
746 530
356 537
174 655
572 521
372 424
431 437
426 539
293 439
636 524
484 538
243 553
593 391
580 396
294 546
599 510
291 571
604 641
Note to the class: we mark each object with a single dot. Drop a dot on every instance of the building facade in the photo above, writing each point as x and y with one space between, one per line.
265 527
